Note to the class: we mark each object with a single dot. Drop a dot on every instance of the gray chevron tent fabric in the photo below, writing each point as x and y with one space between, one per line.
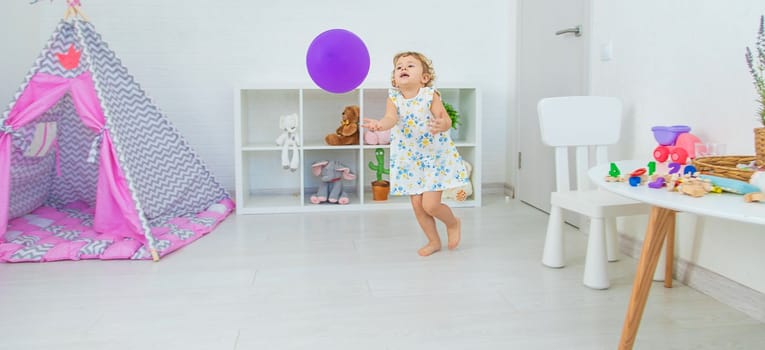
91 168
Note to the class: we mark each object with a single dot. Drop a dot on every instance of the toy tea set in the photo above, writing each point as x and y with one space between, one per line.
705 174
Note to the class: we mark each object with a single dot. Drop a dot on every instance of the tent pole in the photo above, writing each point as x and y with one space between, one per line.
74 10
86 54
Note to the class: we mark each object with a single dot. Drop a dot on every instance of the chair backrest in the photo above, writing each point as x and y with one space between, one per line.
583 123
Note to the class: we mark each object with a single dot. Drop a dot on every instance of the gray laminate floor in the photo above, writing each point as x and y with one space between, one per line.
353 280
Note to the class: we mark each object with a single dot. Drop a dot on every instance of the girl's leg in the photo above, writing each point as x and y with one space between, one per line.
431 203
428 225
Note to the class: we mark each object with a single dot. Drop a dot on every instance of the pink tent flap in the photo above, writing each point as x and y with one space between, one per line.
115 211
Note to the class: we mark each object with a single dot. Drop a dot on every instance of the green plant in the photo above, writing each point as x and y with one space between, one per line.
757 68
454 115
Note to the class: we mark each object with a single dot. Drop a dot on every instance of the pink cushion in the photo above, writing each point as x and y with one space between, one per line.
94 249
16 221
10 235
22 225
123 249
28 254
44 211
7 249
31 238
89 234
49 213
68 222
64 251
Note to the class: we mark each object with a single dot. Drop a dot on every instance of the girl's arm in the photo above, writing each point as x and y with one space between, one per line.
388 121
440 121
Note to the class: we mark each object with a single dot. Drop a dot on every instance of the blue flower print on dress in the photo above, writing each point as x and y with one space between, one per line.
420 160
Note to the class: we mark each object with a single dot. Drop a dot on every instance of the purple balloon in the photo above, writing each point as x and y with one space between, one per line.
337 61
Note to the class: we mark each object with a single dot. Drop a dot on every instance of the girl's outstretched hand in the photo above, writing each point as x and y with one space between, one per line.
439 124
371 124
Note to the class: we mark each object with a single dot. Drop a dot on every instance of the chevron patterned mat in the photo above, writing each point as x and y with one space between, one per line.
49 234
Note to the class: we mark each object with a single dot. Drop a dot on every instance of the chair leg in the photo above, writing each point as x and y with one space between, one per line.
612 240
595 269
553 250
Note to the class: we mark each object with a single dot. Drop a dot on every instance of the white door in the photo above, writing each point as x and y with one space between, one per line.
549 64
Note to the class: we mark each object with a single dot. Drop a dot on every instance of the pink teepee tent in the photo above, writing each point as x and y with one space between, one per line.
89 166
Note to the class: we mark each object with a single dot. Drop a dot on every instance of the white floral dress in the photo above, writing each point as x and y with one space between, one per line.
421 161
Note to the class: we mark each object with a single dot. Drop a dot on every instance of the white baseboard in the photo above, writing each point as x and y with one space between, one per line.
724 290
492 187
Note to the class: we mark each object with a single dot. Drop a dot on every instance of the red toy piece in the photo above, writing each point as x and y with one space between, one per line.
638 172
675 143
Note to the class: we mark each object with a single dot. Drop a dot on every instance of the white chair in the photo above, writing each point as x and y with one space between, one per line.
584 123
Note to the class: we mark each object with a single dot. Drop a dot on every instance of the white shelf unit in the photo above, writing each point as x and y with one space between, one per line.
263 186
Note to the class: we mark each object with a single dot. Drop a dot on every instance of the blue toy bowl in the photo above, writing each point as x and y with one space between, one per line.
666 135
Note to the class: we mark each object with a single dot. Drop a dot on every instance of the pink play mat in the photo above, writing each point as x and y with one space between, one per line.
49 234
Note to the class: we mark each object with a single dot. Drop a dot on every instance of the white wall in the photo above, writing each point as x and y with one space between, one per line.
19 46
682 62
190 54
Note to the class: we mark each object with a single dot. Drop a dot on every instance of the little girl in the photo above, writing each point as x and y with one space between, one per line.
423 158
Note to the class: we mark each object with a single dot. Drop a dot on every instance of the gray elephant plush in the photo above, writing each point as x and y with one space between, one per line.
331 173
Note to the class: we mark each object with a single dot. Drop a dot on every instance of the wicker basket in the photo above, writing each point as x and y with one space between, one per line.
724 166
759 146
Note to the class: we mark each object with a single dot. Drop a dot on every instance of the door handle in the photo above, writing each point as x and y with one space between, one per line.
576 30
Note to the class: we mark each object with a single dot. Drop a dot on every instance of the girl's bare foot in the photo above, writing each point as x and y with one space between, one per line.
429 248
454 233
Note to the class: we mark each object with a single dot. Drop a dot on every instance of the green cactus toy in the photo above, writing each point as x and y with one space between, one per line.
380 167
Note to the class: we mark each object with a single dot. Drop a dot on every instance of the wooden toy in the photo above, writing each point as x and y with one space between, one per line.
695 187
754 197
614 174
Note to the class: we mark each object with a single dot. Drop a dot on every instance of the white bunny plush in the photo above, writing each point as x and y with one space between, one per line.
289 138
757 179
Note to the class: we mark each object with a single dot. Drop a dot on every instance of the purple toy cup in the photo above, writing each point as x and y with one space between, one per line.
666 135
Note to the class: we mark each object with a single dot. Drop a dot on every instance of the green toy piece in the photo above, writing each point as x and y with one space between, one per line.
651 168
614 172
380 167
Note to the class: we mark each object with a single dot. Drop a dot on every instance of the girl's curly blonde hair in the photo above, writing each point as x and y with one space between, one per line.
427 66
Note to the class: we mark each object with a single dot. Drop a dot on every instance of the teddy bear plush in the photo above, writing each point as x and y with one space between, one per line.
348 131
461 193
289 139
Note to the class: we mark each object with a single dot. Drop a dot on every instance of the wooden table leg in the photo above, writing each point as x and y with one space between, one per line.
659 223
670 256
